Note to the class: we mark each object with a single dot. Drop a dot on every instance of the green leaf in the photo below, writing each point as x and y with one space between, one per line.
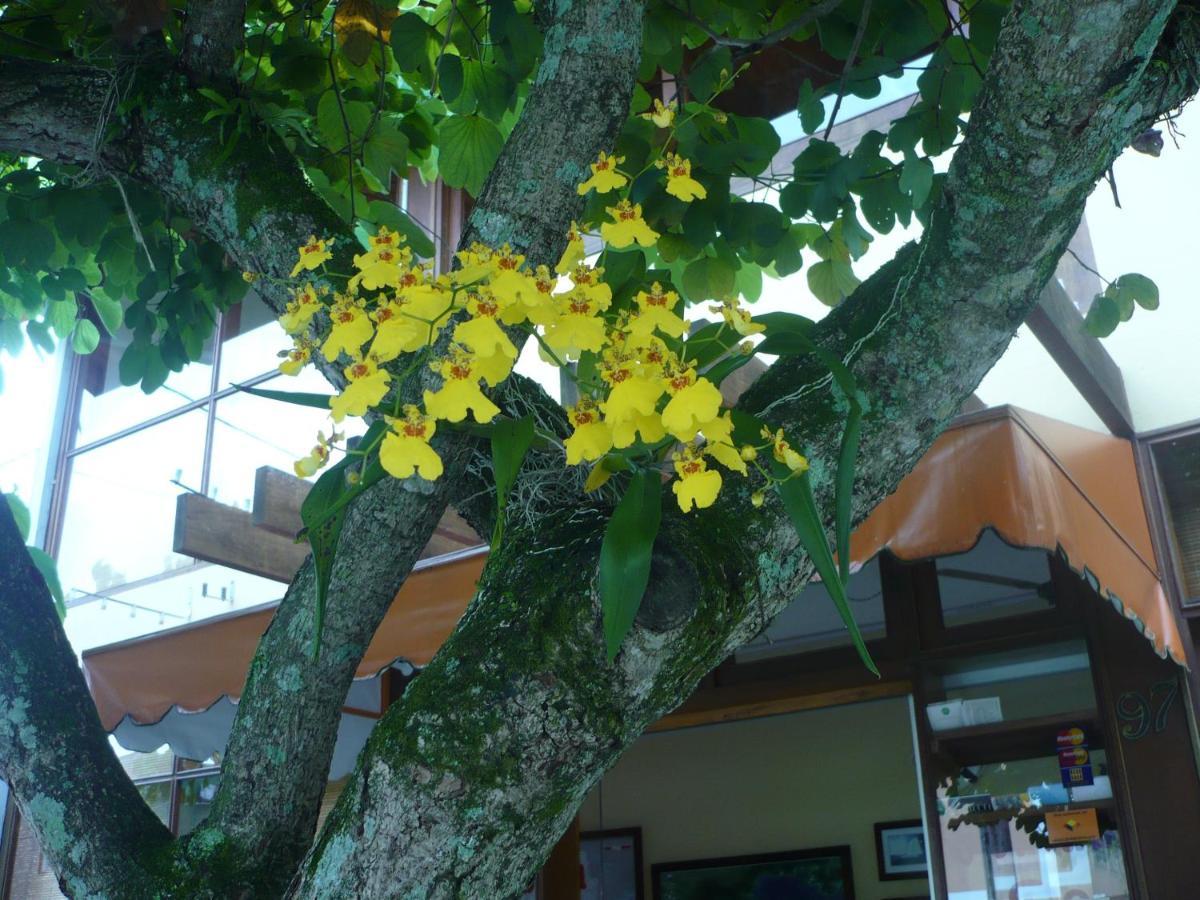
625 555
468 148
61 315
333 118
414 43
1102 317
300 398
832 281
386 151
708 278
109 310
844 487
20 514
86 338
49 572
1139 288
810 108
39 334
26 245
511 439
801 508
916 179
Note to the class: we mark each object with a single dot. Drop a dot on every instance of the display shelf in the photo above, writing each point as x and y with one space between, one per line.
1015 739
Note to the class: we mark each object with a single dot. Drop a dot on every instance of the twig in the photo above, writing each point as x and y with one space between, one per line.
850 58
1086 267
337 93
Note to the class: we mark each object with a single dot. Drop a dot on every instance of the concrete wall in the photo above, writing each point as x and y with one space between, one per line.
810 779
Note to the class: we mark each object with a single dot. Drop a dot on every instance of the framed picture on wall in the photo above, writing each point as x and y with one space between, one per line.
611 864
900 850
822 873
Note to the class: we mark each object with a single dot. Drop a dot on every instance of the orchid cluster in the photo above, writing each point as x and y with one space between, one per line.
642 399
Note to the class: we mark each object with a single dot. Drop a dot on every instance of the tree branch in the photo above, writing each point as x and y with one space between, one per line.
212 35
90 821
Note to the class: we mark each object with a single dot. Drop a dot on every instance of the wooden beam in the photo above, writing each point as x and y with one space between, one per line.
561 874
709 707
277 499
225 535
1058 325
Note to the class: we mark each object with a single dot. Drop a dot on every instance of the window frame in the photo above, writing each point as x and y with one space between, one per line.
175 778
1158 513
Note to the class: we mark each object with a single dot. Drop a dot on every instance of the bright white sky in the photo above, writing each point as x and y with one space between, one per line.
1156 351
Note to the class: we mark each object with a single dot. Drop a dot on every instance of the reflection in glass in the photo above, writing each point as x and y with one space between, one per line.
811 621
252 338
147 765
992 581
253 431
158 797
106 406
995 843
121 505
195 798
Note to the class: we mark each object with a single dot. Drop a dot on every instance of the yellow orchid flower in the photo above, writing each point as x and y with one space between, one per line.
307 466
633 396
297 358
367 385
351 329
662 115
577 328
697 485
459 393
384 237
405 449
481 334
694 401
783 452
589 282
627 226
536 305
313 255
680 182
648 428
300 310
738 318
605 176
396 332
573 253
656 311
379 267
495 368
591 439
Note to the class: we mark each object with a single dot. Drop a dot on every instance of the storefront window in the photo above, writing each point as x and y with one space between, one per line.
812 622
195 797
993 581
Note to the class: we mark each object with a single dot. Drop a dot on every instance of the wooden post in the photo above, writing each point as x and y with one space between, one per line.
560 876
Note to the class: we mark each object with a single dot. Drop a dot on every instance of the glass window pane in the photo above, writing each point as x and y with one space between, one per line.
252 339
106 406
992 581
120 506
158 798
1028 683
195 798
1179 469
146 765
187 765
251 432
812 622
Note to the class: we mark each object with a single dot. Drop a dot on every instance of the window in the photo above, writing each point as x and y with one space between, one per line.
130 456
1177 463
179 791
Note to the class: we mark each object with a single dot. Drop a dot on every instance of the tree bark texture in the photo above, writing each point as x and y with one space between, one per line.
468 781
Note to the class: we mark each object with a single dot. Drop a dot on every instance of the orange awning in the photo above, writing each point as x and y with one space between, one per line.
193 666
1037 482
